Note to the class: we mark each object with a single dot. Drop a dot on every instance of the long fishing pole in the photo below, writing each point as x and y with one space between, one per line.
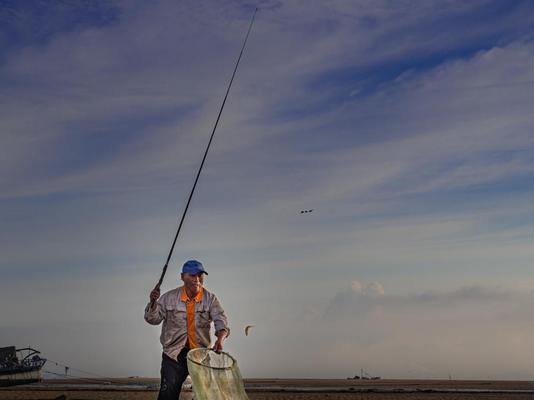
205 155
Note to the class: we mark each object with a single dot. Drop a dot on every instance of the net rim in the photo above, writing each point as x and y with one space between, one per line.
207 366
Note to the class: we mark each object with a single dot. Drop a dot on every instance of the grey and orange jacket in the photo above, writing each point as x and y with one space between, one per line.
186 322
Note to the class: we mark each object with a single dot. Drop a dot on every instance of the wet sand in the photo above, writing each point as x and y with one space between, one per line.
285 389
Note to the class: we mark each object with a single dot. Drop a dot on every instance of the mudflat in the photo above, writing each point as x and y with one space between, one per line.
283 389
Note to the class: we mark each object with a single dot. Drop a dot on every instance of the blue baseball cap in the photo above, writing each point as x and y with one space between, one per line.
193 267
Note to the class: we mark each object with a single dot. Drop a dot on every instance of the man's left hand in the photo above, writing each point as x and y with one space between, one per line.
221 335
218 347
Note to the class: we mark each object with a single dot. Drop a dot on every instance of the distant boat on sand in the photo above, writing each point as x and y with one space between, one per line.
20 366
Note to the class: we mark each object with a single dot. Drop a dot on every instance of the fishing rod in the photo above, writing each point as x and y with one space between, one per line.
204 158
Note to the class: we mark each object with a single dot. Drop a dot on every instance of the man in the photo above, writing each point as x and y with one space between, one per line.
187 313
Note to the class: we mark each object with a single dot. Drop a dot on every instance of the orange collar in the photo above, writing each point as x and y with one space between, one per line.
196 299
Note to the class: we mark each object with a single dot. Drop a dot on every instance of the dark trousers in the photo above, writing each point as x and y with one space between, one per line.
173 375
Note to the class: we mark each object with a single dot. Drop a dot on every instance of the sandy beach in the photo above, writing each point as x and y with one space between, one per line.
285 389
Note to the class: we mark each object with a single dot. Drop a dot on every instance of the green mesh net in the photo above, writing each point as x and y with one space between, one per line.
215 376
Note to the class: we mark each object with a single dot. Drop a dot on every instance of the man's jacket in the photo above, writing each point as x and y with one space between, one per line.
171 309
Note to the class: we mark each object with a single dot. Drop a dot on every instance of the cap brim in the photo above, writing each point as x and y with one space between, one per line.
195 273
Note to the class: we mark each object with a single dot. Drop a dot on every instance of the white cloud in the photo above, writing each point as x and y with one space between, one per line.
429 334
374 289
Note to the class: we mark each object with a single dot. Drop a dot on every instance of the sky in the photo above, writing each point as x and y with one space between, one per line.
406 126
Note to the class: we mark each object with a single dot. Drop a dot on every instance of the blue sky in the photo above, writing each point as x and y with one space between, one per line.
406 126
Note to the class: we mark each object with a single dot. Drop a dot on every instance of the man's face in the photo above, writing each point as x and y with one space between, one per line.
193 283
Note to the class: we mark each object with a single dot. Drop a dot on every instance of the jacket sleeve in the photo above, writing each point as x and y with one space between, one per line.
156 315
218 316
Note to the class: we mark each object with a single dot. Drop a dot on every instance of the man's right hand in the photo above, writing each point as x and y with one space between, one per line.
154 296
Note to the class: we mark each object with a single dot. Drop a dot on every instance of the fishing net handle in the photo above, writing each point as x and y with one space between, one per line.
205 154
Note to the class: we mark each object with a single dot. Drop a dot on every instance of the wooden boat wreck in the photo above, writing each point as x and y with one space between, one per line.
20 366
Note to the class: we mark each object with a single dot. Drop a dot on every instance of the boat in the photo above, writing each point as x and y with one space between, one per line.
20 366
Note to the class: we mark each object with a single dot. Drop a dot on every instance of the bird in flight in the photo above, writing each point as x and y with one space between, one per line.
306 211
